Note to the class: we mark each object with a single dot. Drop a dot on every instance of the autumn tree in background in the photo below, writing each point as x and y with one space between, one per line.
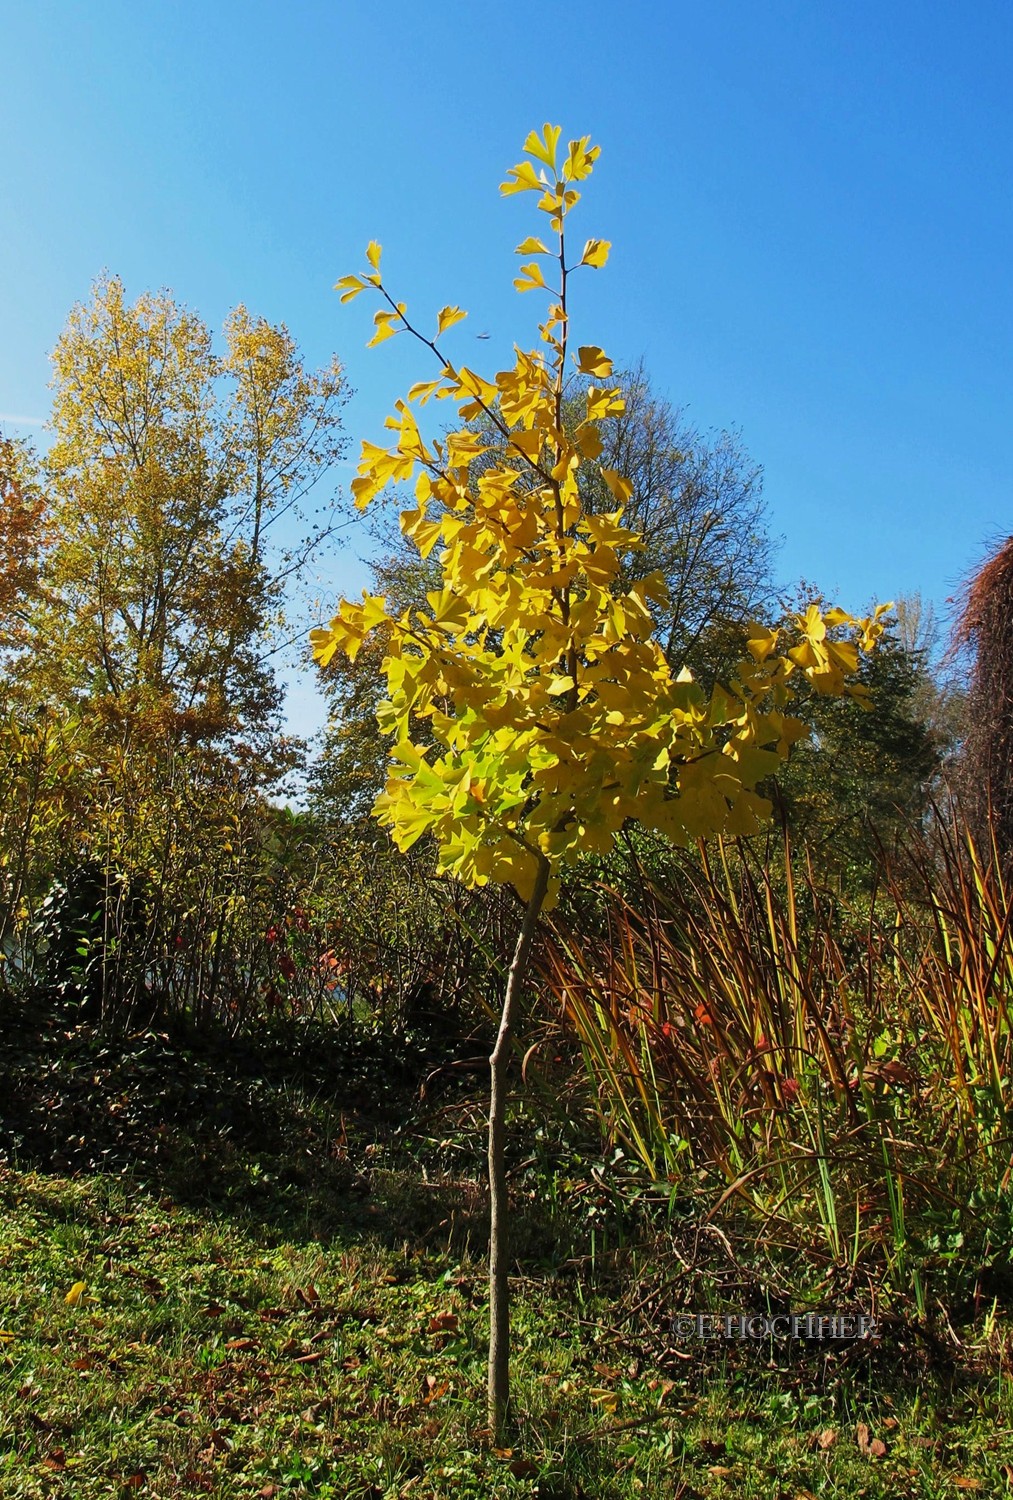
550 712
860 783
142 736
984 629
696 503
22 538
170 469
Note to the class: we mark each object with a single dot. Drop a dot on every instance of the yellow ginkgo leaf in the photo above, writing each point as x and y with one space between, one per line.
619 485
75 1294
532 246
596 253
349 287
593 361
447 317
544 147
520 179
531 276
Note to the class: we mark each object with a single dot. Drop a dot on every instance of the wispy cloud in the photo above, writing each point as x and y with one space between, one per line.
15 421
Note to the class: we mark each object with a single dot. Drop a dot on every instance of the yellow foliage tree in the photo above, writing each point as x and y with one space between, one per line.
170 465
553 716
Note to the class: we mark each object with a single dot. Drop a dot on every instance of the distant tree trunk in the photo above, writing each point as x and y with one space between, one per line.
986 779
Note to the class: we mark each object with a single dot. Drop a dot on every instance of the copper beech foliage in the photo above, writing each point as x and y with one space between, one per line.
553 715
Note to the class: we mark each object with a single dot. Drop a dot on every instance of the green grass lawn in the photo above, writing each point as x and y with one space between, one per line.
309 1320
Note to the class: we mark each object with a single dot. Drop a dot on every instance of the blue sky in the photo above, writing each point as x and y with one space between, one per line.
809 204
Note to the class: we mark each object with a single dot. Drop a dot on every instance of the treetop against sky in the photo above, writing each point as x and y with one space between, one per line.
810 209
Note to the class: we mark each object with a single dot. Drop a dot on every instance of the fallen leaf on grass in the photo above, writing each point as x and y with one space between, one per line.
523 1468
217 1443
605 1398
75 1294
432 1389
241 1344
827 1438
968 1484
443 1323
862 1438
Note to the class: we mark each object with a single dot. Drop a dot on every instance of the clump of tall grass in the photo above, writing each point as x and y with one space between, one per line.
842 1076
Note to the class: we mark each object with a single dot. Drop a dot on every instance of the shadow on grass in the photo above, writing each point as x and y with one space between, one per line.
309 1131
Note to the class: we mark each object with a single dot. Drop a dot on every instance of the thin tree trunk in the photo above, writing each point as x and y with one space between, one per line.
499 1251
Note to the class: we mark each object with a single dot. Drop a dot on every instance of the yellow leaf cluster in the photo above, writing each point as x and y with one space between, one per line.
552 713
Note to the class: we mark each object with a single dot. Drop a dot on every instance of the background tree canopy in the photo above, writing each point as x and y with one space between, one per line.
171 466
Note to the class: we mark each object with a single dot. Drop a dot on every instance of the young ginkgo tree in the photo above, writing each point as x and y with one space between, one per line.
553 716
